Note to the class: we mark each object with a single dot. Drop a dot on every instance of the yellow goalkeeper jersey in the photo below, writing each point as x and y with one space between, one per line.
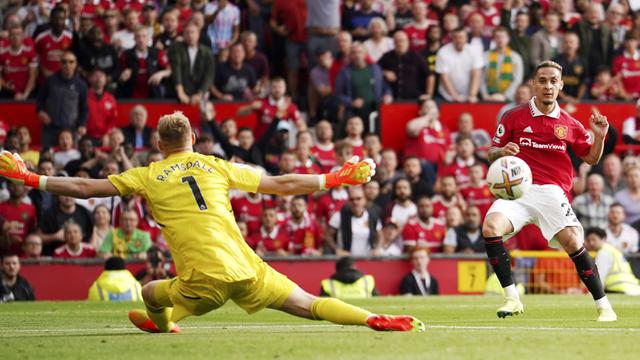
189 196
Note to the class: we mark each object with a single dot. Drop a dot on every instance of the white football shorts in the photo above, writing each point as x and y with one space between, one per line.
546 206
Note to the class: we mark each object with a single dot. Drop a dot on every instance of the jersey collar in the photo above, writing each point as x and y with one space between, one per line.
535 112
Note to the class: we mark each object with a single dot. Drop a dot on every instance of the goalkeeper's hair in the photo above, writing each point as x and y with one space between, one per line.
174 129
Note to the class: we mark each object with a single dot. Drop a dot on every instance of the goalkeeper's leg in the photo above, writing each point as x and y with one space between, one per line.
302 304
158 313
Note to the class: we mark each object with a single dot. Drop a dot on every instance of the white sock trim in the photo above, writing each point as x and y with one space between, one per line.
603 303
511 292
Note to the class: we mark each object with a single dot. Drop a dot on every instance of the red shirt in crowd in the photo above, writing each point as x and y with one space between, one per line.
543 141
50 48
183 17
491 20
268 111
417 233
418 36
103 114
277 239
16 65
130 4
326 155
429 145
86 251
478 196
629 68
308 167
249 210
141 87
304 237
459 169
293 15
329 203
441 206
23 219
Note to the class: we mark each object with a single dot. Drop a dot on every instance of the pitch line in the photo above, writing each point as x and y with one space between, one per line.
531 328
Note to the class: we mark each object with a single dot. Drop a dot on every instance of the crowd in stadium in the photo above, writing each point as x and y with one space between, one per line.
313 71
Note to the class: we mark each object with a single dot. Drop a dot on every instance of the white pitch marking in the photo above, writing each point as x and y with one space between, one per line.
531 328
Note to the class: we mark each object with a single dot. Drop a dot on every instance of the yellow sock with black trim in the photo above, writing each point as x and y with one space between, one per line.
338 312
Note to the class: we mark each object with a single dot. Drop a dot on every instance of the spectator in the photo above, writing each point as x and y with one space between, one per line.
143 68
519 35
30 156
323 103
223 24
52 221
463 160
596 43
523 96
421 176
94 53
379 43
348 282
612 172
277 104
118 150
477 194
630 196
247 208
480 137
89 160
111 23
65 151
323 24
419 281
477 38
401 208
626 68
390 243
354 130
605 87
453 217
592 206
546 43
434 43
622 236
18 215
14 287
424 230
43 200
466 238
157 267
192 67
574 70
115 283
18 67
305 163
416 30
257 60
288 18
613 267
73 247
53 43
448 197
564 8
62 102
400 16
126 241
387 171
305 234
615 20
343 56
360 85
427 139
103 110
406 71
234 80
372 194
373 147
124 39
169 34
102 225
138 133
450 22
503 69
32 247
631 131
324 149
355 226
356 21
491 16
459 66
272 238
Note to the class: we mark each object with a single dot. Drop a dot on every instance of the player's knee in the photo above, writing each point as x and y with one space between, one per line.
148 294
495 225
571 239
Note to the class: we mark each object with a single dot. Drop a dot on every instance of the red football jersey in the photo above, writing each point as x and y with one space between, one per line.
440 206
130 4
459 169
543 141
277 239
24 217
491 20
308 168
417 233
326 155
329 203
16 65
478 196
305 236
50 48
86 251
429 145
249 210
103 114
141 87
629 68
418 36
267 113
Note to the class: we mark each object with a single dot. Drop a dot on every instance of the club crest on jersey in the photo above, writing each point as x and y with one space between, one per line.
561 131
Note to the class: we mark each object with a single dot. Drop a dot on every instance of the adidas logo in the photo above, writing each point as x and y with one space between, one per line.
528 130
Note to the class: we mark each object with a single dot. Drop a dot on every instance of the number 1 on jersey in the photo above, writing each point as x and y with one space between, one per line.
196 192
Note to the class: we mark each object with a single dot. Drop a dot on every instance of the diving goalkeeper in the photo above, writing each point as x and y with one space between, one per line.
188 193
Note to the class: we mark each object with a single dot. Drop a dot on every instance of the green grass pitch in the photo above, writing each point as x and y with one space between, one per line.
462 327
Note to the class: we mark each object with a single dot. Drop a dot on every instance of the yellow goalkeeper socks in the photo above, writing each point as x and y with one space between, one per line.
338 312
160 317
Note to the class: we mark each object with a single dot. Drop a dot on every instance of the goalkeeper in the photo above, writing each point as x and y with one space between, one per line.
188 193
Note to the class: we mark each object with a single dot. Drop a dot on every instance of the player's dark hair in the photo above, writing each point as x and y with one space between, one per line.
596 231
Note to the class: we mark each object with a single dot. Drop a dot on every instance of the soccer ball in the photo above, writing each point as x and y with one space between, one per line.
509 178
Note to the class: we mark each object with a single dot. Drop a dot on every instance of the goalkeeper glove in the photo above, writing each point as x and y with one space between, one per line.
14 169
353 172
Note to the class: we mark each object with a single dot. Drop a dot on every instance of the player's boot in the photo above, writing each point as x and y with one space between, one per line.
395 323
141 320
511 307
607 315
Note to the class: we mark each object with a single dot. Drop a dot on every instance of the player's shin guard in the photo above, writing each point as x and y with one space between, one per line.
588 272
338 312
499 259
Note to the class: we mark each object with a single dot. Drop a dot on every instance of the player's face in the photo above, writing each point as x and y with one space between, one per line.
11 266
425 209
420 261
547 84
616 215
